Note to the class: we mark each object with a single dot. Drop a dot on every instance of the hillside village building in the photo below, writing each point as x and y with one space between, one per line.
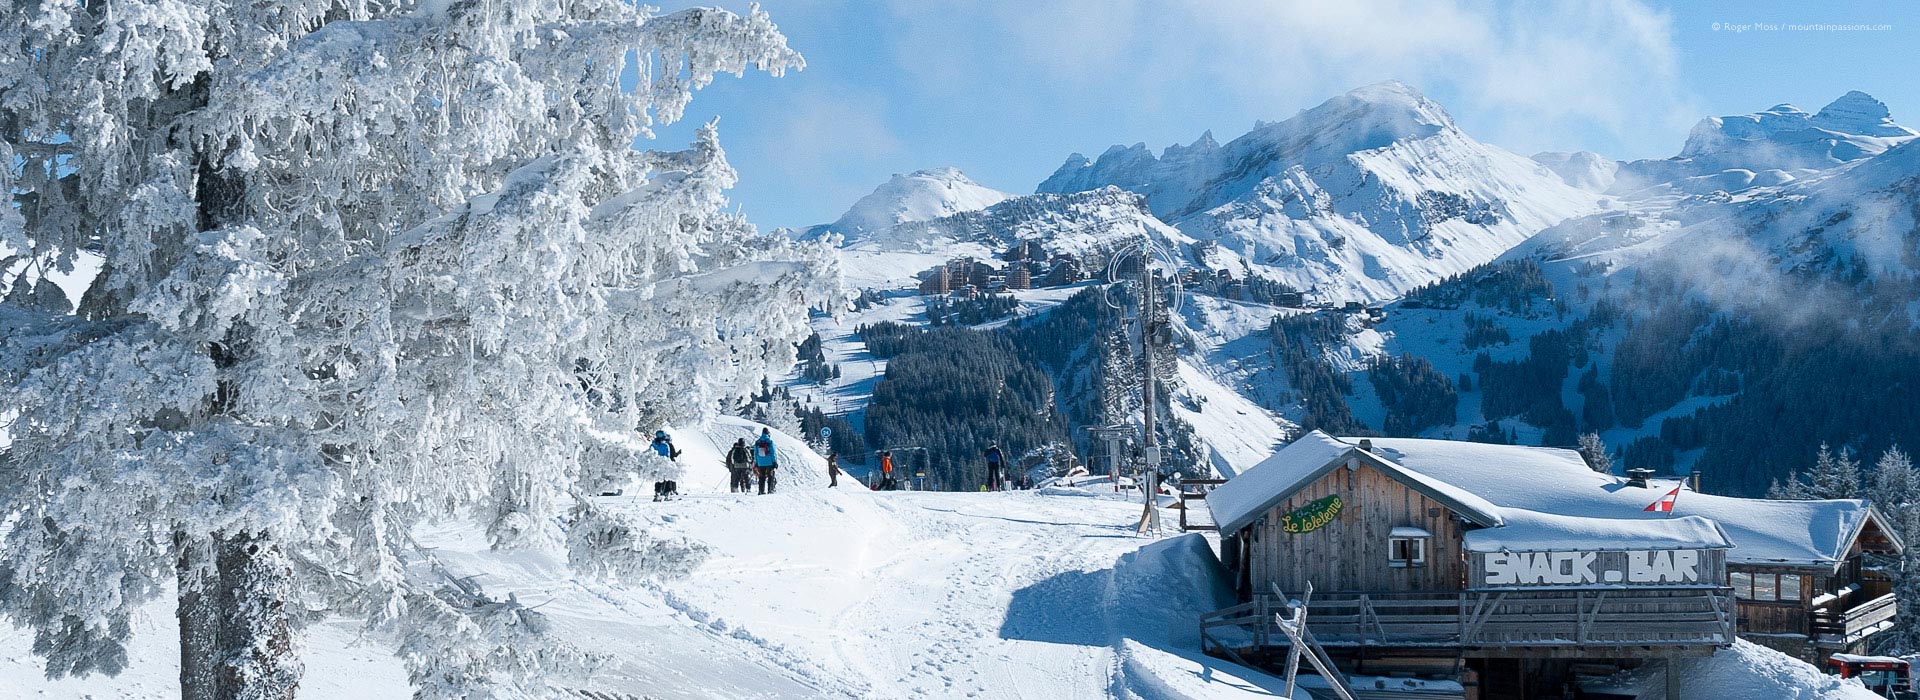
1507 557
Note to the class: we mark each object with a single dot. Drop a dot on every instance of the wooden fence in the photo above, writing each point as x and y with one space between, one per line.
1489 618
1196 490
1845 627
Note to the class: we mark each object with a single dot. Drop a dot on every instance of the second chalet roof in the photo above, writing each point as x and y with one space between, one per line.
1557 481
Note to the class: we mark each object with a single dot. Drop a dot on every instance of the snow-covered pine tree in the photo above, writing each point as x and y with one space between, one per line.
1594 451
1896 492
776 408
1896 484
1835 474
362 263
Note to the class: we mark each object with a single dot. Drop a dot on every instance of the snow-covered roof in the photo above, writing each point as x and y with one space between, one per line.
1557 481
1532 531
1238 502
1864 659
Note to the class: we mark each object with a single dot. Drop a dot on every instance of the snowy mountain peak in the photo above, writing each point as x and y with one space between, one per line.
1854 114
917 196
1363 196
1393 96
1177 181
1770 147
1199 148
944 172
1859 113
1374 116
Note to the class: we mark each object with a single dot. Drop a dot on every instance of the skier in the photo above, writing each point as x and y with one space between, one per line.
886 471
764 461
739 462
833 470
663 446
994 459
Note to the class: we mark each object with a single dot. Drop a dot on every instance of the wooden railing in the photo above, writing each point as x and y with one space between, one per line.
1491 618
1197 493
1844 627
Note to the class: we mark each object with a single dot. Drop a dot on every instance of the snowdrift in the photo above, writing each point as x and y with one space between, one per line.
1747 671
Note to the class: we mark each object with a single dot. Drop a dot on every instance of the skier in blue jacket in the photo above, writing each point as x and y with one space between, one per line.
765 461
663 446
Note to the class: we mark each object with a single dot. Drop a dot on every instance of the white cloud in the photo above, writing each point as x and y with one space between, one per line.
823 138
1520 74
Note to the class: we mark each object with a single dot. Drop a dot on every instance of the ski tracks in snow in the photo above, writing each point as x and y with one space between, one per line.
1001 596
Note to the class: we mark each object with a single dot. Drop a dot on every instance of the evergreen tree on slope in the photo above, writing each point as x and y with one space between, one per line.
1896 492
1834 475
362 261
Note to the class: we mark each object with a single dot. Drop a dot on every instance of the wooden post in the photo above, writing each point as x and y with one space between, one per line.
1673 679
1293 658
1303 643
1334 677
1293 650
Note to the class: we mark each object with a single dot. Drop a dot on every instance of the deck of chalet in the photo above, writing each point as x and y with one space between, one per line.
1519 623
1492 551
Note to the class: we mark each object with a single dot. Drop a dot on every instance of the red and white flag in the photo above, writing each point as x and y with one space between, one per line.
1665 504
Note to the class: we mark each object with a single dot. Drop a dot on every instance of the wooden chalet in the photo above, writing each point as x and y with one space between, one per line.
1495 552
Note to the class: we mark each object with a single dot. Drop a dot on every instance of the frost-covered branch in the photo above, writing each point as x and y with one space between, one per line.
365 265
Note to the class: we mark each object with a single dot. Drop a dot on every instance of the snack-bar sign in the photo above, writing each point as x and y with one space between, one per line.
1678 566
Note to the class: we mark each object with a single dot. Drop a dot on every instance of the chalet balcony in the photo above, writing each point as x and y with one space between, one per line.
1832 625
1509 622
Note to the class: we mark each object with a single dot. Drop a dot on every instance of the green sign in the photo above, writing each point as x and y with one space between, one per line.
1312 516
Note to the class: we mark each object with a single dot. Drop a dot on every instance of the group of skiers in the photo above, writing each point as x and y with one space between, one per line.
757 466
761 461
744 464
996 471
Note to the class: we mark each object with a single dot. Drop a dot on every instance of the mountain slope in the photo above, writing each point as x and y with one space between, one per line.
1363 197
1730 333
1768 147
1089 224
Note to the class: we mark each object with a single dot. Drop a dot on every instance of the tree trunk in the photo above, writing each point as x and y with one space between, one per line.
257 659
199 617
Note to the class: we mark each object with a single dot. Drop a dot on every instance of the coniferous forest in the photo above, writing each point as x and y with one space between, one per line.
1746 398
951 391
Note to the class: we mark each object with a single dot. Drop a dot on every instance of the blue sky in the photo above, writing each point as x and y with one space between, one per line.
1006 90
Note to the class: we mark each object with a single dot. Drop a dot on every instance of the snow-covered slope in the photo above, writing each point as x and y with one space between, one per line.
1768 147
1583 169
916 196
1363 197
816 593
1853 218
1089 224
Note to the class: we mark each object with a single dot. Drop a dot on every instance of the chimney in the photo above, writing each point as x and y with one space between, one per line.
1638 477
1366 444
1693 480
